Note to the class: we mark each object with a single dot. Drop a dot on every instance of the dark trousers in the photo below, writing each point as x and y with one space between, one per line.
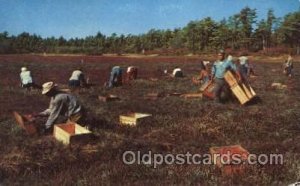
74 83
221 87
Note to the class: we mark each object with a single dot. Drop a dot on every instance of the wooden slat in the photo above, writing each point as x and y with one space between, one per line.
252 91
247 91
230 79
240 94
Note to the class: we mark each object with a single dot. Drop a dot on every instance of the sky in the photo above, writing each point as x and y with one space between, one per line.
81 18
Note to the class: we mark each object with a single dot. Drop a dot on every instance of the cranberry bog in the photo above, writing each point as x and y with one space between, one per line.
177 126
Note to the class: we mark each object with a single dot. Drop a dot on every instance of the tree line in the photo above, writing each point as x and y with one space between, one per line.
242 31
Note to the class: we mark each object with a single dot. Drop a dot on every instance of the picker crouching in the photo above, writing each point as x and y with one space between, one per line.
115 79
63 108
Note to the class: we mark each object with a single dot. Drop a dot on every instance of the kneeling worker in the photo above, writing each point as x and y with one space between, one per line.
63 107
177 72
115 77
26 78
77 79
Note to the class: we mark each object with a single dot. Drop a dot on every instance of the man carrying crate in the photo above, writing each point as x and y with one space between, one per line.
219 69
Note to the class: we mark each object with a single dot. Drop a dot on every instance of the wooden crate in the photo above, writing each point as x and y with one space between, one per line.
192 95
153 96
69 133
133 119
229 168
242 92
209 91
230 78
108 98
26 123
204 86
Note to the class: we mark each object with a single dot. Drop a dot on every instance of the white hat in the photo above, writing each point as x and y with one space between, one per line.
23 69
230 58
206 63
48 86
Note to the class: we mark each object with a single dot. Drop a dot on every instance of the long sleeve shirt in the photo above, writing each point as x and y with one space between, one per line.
220 67
61 104
26 77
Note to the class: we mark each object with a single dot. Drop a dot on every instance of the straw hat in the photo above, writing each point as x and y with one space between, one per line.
23 69
48 86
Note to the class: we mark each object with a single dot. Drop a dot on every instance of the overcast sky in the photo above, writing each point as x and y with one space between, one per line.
80 18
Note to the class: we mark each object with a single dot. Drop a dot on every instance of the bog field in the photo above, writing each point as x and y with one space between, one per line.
178 125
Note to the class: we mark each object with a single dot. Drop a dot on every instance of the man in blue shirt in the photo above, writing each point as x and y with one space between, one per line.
219 69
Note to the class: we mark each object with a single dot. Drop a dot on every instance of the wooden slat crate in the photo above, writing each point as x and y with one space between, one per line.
69 133
241 91
153 96
108 98
25 123
228 167
133 119
192 95
204 86
240 94
230 78
209 91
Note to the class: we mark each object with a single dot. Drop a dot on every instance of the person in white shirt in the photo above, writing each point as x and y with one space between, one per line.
77 79
26 78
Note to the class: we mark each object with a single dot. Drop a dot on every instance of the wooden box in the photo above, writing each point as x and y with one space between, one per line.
133 119
241 91
108 98
204 86
209 91
70 133
230 154
25 122
230 78
192 95
153 96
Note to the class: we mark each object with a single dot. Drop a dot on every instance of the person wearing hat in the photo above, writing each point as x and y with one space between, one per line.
218 71
26 78
115 77
63 107
77 79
